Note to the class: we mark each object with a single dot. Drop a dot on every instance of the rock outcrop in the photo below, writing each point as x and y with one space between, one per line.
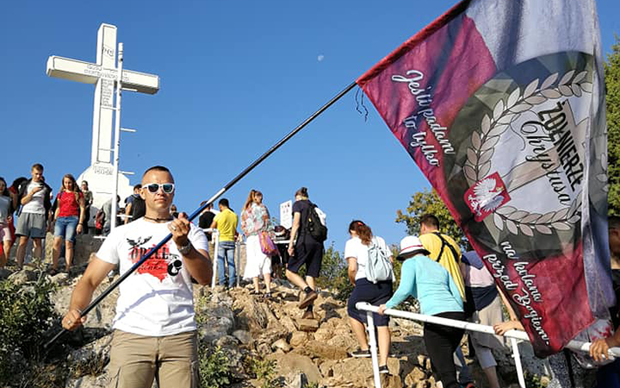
247 327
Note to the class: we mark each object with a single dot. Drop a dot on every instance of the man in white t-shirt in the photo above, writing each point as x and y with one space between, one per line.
34 197
154 327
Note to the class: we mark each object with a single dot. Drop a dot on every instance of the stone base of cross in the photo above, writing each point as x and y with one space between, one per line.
100 178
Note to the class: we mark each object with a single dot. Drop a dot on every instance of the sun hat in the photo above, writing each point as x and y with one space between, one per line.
411 244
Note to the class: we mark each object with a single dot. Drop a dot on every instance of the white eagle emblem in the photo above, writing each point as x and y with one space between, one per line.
487 196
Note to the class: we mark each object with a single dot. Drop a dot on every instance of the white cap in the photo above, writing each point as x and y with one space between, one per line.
411 244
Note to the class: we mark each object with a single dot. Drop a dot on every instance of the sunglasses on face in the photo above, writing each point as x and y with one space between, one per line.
167 188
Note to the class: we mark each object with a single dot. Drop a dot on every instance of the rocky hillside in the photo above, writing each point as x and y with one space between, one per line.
251 329
251 341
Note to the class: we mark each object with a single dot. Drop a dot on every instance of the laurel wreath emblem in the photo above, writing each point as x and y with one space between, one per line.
479 155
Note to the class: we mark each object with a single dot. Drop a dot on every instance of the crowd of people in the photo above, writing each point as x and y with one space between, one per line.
155 330
447 282
29 210
38 212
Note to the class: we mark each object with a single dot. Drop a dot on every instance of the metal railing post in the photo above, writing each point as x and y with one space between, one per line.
237 259
517 357
512 334
372 343
216 246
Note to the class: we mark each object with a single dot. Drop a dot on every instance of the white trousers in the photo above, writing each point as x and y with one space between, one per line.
257 263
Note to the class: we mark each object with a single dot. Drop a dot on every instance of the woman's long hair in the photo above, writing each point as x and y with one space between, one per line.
72 179
4 192
362 230
248 202
76 189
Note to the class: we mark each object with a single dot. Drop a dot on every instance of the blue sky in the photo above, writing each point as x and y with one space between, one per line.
235 78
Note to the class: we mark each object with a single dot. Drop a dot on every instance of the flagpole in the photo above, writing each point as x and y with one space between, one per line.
224 189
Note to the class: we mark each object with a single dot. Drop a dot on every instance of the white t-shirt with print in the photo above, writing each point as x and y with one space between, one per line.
35 205
157 299
355 248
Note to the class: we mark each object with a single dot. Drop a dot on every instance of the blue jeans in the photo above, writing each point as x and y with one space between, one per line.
608 376
65 227
226 250
462 370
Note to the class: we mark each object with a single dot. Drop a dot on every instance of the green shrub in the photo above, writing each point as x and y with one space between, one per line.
214 367
26 314
334 274
533 381
93 366
200 307
42 375
265 372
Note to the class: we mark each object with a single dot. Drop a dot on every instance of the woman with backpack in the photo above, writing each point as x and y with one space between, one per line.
357 253
68 218
434 287
254 222
305 249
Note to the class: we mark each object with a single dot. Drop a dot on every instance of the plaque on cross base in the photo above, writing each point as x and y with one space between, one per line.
100 178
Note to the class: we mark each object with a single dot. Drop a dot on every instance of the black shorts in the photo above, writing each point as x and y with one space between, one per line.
375 294
310 253
282 258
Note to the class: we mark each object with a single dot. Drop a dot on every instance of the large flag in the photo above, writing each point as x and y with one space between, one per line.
501 105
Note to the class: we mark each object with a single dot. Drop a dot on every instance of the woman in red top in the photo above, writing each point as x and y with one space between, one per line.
68 218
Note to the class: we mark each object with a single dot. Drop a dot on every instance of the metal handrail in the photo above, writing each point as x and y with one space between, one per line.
513 335
215 236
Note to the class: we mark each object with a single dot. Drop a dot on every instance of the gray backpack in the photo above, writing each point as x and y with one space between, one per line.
378 268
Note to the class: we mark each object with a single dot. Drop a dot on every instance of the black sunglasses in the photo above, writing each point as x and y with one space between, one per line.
154 187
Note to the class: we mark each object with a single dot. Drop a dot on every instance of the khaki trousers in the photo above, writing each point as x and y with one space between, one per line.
136 360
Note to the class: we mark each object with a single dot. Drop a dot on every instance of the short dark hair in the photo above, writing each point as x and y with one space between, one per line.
429 220
613 222
18 182
138 186
224 202
303 192
156 168
37 166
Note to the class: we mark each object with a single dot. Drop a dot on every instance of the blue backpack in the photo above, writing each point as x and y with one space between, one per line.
379 267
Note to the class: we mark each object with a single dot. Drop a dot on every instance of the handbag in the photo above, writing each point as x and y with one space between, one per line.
266 244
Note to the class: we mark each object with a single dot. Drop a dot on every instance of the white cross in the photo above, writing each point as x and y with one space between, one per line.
103 74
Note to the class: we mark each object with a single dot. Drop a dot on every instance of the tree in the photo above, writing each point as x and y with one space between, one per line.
424 202
612 85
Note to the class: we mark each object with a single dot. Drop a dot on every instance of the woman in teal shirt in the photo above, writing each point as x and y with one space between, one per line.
429 282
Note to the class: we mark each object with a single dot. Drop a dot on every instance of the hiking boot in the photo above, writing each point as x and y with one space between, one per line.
308 299
360 353
308 315
383 369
